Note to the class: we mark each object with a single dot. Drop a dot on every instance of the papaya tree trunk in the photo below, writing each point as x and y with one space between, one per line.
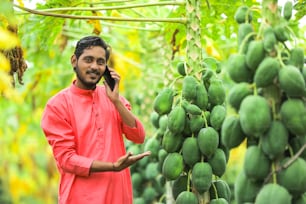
193 35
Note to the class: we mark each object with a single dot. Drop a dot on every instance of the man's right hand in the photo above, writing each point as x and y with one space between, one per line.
128 160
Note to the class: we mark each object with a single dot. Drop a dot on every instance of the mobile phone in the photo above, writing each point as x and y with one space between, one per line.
108 78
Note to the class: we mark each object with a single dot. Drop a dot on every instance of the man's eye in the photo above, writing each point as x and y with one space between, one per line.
88 59
100 62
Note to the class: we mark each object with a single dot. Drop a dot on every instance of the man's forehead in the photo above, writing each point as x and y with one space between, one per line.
94 51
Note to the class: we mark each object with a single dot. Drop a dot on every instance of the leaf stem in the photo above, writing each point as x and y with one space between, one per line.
188 180
274 173
215 190
244 41
286 165
165 3
169 20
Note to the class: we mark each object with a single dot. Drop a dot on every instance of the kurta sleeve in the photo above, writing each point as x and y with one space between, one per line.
60 136
135 134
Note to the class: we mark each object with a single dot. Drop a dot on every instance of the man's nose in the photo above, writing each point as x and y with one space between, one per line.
94 65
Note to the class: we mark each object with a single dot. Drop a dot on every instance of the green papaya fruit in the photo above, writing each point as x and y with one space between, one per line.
245 190
218 201
151 170
269 40
149 194
201 96
139 200
238 70
255 54
291 81
179 185
237 93
187 197
163 123
275 141
152 145
162 154
190 151
297 57
159 183
293 115
163 101
254 158
273 193
217 116
192 109
255 115
216 93
231 132
176 119
266 72
189 87
173 166
220 189
181 68
206 74
196 122
208 141
243 14
187 130
201 177
293 178
218 162
154 117
287 11
281 32
245 32
137 180
172 142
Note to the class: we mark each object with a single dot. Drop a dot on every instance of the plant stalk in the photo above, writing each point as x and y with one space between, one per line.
165 3
169 20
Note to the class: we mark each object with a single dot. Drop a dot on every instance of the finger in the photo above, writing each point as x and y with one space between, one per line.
140 156
147 153
125 157
106 85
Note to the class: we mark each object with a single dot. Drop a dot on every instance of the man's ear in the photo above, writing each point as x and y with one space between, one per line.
74 61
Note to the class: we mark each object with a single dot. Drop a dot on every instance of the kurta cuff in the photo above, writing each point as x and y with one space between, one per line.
135 134
81 165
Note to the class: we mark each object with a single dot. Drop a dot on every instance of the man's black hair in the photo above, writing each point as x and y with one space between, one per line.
88 42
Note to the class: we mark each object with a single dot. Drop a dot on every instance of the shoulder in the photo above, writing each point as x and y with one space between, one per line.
58 98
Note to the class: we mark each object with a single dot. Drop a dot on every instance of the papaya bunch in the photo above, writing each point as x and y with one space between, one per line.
268 99
189 116
148 183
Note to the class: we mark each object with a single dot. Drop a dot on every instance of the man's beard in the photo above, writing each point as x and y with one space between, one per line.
88 85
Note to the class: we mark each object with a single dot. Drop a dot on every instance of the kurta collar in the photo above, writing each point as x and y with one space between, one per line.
78 90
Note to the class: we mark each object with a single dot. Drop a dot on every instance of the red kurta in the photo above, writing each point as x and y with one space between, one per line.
82 126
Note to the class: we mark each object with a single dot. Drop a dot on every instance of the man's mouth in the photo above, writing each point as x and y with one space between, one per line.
93 73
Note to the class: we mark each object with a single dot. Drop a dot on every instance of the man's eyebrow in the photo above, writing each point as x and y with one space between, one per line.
90 56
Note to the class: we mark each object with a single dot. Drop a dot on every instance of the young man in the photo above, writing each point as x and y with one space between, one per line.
84 124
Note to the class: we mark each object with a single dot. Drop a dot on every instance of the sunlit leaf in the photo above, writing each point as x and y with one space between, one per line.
4 63
6 12
211 49
8 40
115 13
96 23
20 2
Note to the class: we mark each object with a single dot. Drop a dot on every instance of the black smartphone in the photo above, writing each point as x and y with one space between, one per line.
108 78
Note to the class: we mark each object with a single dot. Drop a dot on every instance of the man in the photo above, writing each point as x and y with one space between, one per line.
84 124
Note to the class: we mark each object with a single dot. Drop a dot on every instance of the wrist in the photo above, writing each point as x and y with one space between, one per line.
117 102
113 167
